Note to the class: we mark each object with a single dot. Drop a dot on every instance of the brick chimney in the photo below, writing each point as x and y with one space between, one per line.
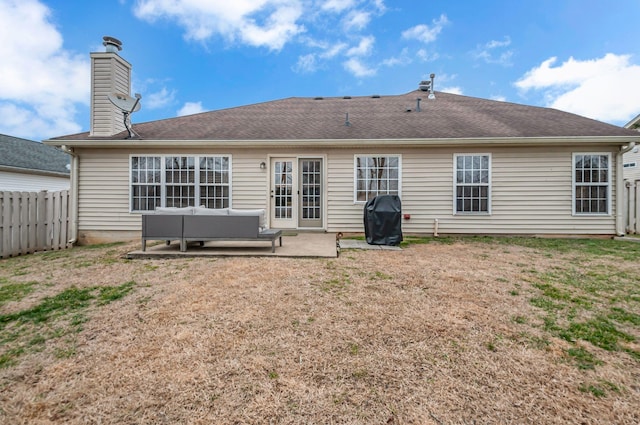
109 74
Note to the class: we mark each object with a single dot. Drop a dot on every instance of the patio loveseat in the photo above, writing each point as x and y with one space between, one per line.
199 224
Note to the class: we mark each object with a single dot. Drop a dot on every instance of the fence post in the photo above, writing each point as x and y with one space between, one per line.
626 196
31 220
636 210
15 221
64 219
41 221
5 224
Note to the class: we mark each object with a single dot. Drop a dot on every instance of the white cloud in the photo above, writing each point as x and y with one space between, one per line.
492 52
159 99
379 4
359 69
263 23
605 88
334 50
338 6
40 82
363 48
190 108
499 98
495 43
403 59
425 33
424 56
357 20
452 90
306 64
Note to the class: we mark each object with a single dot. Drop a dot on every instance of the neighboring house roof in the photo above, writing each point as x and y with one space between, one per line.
449 116
34 157
634 124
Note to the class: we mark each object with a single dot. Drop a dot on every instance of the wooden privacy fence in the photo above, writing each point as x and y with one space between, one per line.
33 221
632 205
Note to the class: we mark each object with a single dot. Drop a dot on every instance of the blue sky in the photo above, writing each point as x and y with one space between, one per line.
188 56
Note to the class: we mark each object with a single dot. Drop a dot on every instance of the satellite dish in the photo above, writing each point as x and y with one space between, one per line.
125 102
127 105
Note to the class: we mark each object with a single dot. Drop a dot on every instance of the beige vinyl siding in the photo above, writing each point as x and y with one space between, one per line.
103 191
104 186
249 182
531 190
343 214
111 74
531 193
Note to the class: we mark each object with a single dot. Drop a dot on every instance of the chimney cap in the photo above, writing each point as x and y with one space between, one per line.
112 44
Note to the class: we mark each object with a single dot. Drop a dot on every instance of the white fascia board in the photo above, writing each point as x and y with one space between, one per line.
347 143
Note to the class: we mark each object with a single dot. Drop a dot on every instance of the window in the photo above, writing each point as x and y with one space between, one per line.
214 182
591 183
179 181
472 183
146 173
376 175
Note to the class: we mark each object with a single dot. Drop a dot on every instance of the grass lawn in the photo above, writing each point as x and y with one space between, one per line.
448 330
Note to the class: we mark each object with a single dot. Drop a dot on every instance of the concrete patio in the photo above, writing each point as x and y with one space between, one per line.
298 245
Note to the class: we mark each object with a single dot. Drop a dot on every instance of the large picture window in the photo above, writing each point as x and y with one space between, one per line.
179 181
591 183
376 175
472 183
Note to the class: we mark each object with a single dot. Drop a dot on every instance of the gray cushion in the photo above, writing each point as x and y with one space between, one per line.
260 213
210 211
174 210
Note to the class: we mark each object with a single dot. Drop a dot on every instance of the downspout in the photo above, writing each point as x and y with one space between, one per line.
74 193
620 224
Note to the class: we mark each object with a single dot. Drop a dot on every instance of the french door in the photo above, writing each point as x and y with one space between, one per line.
296 193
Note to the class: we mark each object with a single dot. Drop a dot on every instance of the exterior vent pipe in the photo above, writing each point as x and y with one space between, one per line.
431 93
111 44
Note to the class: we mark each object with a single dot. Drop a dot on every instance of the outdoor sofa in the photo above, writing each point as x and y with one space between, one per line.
200 224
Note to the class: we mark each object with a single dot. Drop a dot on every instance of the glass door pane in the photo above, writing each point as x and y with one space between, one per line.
310 197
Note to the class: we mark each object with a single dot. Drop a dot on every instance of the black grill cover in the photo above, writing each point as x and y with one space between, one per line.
383 220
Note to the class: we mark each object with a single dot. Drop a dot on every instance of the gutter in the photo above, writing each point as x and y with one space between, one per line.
620 222
341 143
74 193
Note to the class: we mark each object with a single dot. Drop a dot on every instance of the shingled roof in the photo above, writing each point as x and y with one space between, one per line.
32 156
449 116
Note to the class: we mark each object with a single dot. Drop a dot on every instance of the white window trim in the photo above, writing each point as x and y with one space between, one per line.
163 182
455 185
355 173
573 185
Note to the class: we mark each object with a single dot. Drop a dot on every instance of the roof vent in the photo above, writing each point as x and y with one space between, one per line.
426 85
347 97
318 98
375 96
111 44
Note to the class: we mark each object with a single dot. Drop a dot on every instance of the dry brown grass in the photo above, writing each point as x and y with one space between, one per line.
422 336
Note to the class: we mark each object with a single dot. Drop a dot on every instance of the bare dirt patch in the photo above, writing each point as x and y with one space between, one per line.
434 334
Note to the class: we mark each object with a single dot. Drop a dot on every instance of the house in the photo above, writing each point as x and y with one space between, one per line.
632 158
29 166
461 165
